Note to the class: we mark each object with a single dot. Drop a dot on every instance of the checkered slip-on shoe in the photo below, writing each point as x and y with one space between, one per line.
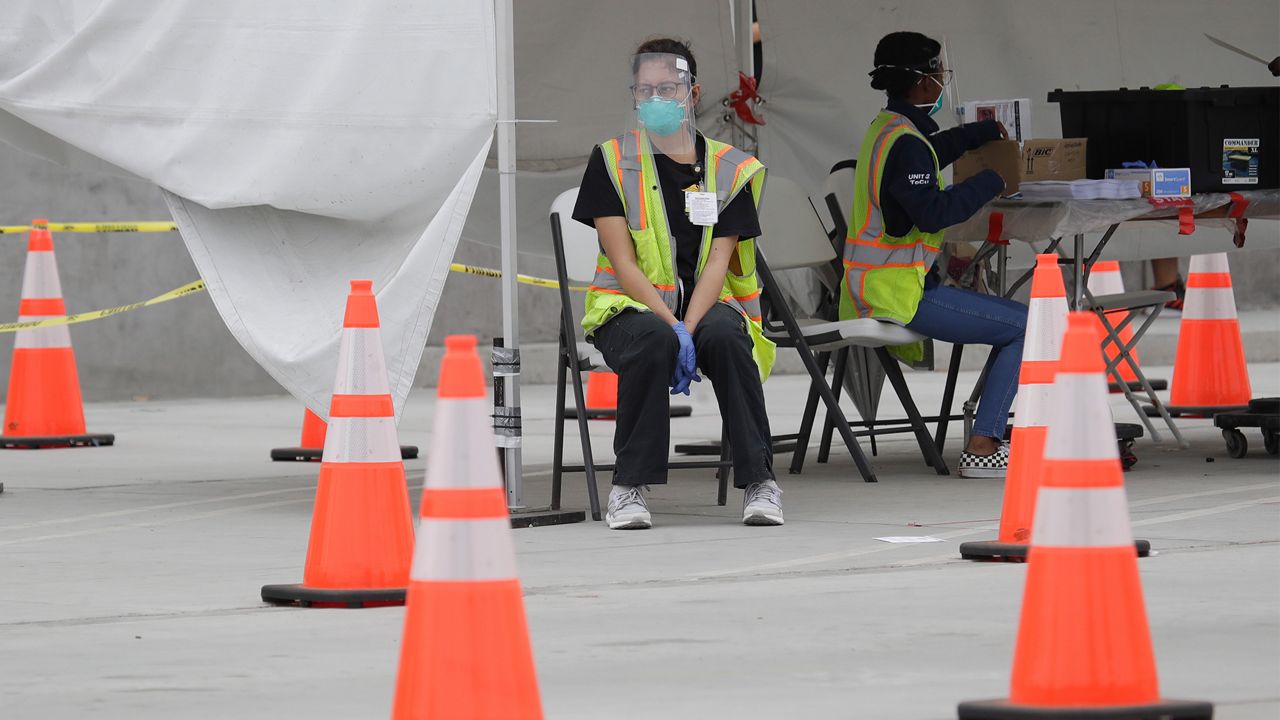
985 466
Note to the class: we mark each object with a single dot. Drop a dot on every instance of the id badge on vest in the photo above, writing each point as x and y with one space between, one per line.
702 208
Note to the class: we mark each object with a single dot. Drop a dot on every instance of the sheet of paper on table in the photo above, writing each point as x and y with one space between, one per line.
1081 190
910 539
1015 114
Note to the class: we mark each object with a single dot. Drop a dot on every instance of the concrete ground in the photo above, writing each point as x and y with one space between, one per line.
129 580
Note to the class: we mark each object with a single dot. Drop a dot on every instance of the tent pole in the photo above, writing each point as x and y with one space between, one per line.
504 22
742 37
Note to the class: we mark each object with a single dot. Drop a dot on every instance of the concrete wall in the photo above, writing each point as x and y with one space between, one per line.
182 349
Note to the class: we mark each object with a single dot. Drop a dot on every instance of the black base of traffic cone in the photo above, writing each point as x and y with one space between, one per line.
34 442
303 596
1013 552
1162 710
1193 411
541 517
676 411
301 454
1135 386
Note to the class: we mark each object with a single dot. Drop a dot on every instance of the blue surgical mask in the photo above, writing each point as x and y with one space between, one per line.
661 116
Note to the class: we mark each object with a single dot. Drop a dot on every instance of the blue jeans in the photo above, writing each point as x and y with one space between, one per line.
964 316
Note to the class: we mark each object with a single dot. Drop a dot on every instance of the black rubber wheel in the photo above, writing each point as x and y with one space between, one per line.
1271 441
1237 445
1127 458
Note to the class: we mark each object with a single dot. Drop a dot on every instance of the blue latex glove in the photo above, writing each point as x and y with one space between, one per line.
686 361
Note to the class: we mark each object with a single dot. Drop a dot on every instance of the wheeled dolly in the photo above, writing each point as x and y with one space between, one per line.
1262 413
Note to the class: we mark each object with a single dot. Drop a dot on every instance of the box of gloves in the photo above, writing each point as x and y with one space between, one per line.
1157 182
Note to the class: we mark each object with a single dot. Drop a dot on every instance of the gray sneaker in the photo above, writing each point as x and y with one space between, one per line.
627 508
762 504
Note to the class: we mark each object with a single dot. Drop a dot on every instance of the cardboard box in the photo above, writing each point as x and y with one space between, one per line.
1053 159
1003 156
1157 182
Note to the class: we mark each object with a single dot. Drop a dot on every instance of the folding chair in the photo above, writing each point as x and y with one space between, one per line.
575 247
793 237
1135 305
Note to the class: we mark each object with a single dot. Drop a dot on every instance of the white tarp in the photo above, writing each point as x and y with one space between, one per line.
301 144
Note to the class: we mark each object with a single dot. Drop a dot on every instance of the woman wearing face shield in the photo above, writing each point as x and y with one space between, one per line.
901 208
675 289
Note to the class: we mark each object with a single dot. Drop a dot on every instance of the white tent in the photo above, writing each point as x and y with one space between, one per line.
302 143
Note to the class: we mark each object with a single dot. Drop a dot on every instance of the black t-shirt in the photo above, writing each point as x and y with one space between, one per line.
598 197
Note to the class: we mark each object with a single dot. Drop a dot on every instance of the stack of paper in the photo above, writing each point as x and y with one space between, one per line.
1081 190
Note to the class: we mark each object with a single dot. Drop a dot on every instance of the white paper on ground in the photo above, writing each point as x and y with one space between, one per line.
910 539
301 144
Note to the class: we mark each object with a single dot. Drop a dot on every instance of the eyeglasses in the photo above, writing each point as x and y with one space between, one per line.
668 90
943 78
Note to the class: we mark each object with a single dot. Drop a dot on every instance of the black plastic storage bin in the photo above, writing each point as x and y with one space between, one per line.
1180 128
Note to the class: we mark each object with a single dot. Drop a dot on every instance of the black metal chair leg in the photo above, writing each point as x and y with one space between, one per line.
837 384
724 472
588 462
842 425
806 421
948 397
927 446
557 454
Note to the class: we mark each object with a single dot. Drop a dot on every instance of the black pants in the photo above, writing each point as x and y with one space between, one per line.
641 349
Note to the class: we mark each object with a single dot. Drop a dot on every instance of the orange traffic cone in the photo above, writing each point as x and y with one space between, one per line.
362 528
1046 322
1209 371
602 392
1105 279
466 651
1084 649
311 446
44 408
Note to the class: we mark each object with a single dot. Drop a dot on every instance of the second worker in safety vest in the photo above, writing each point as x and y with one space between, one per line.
900 208
675 290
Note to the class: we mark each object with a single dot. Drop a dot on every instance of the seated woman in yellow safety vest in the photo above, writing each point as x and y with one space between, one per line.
900 208
675 286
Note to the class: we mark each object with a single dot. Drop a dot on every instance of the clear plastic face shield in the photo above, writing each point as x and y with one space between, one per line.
936 76
663 95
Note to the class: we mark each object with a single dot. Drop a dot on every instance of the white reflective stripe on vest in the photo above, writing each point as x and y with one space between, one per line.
58 336
466 550
40 276
1082 517
1209 304
1046 324
1081 427
361 440
1032 407
361 367
1211 263
462 454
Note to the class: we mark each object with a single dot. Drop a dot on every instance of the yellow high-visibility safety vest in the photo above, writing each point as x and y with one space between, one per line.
629 160
883 274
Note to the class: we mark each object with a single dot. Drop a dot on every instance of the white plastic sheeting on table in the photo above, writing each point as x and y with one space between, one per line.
301 144
1045 220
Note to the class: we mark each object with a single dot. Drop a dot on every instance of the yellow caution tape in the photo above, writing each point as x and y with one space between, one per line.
188 289
198 286
146 226
526 279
